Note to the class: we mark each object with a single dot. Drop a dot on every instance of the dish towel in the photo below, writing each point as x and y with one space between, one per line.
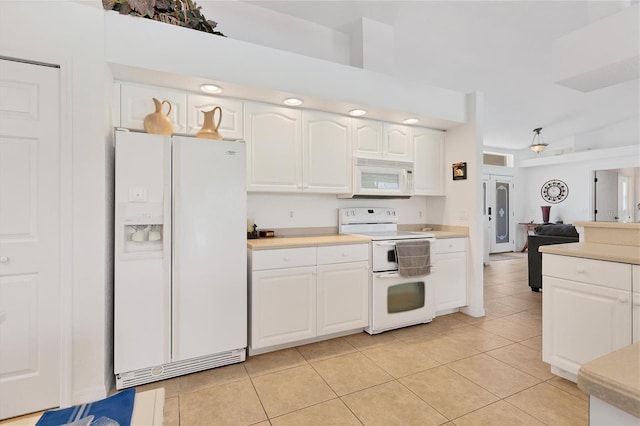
414 258
112 411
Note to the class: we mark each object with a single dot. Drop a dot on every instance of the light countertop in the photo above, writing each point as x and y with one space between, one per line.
326 240
305 241
614 378
598 251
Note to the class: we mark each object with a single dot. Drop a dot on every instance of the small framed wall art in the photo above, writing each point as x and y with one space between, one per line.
459 170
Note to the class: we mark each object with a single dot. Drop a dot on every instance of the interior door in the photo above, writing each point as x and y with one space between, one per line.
606 196
500 214
29 238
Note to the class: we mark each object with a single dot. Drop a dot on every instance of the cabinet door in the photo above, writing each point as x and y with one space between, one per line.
327 153
283 306
396 143
274 158
137 103
367 138
428 173
342 297
231 122
581 322
451 280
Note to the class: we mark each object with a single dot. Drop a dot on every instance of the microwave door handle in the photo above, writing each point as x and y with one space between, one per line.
404 180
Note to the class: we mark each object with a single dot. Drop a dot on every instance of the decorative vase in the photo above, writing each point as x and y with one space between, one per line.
157 122
209 130
545 213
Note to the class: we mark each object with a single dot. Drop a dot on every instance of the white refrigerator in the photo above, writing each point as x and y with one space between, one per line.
180 274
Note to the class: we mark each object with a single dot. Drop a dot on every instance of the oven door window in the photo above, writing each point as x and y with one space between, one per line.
405 297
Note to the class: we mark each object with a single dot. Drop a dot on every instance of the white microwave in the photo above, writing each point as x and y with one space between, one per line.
382 178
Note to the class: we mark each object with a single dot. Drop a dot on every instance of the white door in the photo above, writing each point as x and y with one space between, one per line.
428 172
500 214
29 238
396 142
606 196
367 138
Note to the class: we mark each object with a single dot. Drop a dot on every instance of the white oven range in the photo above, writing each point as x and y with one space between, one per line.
395 301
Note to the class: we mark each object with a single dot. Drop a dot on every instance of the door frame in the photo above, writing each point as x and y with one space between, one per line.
65 179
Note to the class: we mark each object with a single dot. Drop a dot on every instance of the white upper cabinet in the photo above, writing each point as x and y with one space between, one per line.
374 139
326 153
428 172
367 138
274 157
396 142
231 122
137 103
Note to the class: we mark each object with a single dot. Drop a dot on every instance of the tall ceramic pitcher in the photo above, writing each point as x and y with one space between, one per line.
209 130
157 122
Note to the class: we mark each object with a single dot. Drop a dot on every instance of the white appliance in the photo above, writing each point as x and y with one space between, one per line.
396 301
180 296
382 178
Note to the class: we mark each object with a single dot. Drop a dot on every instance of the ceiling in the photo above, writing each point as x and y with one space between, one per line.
501 48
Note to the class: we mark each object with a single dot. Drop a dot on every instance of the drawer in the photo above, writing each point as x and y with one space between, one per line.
450 245
283 258
343 253
597 272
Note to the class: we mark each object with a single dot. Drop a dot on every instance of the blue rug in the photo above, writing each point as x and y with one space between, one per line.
115 410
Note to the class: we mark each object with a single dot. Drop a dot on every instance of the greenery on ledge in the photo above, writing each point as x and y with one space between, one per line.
184 13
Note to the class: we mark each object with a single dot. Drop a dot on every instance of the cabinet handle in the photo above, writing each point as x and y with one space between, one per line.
580 271
345 254
285 258
4 259
623 300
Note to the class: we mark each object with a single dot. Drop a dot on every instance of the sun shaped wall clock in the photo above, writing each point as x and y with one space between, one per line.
554 191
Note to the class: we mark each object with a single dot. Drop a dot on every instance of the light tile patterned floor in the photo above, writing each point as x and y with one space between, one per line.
456 370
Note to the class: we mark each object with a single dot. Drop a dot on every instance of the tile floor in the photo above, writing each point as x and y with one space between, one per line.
457 370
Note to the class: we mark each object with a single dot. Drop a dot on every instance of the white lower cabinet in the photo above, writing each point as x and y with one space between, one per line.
283 306
451 274
586 311
299 295
342 297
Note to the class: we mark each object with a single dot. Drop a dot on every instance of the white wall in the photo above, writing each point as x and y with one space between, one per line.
71 34
254 24
463 204
270 211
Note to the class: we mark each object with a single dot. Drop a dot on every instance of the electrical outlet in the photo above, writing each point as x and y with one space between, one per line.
420 215
291 214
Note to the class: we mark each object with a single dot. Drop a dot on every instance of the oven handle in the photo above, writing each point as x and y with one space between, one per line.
384 243
389 275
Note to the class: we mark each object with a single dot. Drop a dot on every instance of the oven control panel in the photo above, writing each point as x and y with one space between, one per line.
361 215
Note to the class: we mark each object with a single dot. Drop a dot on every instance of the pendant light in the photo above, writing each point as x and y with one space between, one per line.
537 144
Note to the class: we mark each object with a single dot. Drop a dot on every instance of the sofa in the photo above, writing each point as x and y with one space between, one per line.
546 234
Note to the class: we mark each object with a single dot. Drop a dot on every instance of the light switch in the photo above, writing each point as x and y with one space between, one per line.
138 194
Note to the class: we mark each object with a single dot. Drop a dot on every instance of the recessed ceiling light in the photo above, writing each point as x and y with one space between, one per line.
357 112
411 121
292 101
210 88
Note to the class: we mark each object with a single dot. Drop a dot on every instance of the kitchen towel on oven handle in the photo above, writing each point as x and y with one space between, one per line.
414 258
